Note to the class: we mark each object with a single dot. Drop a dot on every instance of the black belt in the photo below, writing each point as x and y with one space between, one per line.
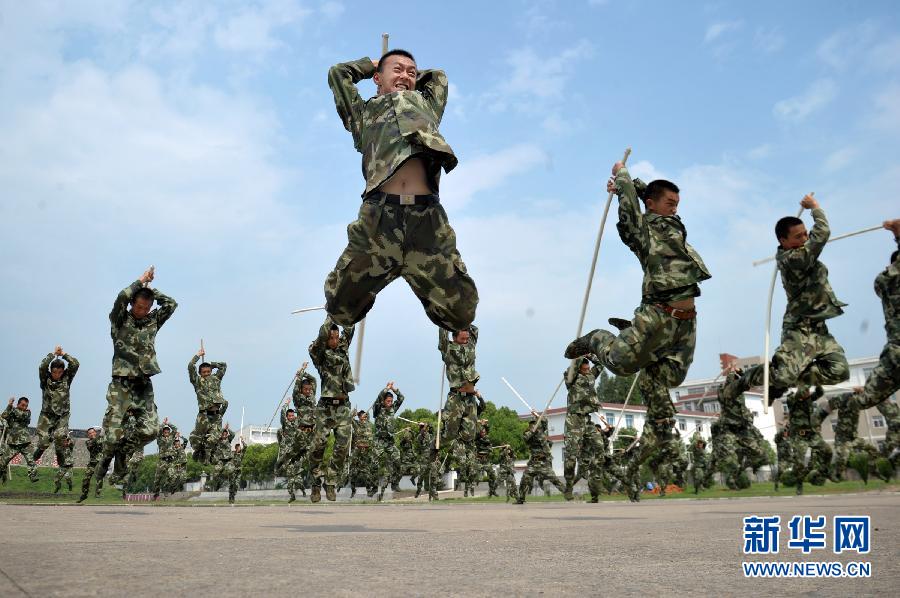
403 199
331 400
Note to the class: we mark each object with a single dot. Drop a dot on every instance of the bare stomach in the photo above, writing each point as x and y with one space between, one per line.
409 179
685 304
467 387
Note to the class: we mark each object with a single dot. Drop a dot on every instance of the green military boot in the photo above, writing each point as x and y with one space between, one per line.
83 497
315 494
581 345
56 487
69 483
330 494
619 323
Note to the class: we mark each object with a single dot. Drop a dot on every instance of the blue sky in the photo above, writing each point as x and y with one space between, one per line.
202 138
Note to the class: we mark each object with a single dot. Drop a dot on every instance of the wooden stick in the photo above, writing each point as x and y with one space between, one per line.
306 309
384 43
625 404
515 392
281 401
357 365
437 436
768 326
831 240
587 290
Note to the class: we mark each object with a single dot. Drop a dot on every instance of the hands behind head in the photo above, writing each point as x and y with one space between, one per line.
893 226
58 351
809 202
11 399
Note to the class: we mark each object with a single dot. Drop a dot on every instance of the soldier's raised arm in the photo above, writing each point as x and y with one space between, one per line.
43 371
342 79
320 343
73 366
398 400
433 85
631 227
443 340
192 370
120 306
166 305
220 367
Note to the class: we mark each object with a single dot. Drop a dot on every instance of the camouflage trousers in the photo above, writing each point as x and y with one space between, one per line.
540 469
387 456
577 425
842 451
47 426
884 379
88 474
363 470
658 442
817 470
295 471
165 471
727 460
9 450
330 418
807 354
460 418
122 395
63 474
414 242
423 468
226 472
597 474
483 467
701 471
205 435
508 479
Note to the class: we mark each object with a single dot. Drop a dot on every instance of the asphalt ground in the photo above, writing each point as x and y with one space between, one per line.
683 546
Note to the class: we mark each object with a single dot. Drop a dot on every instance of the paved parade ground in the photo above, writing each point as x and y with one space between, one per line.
657 547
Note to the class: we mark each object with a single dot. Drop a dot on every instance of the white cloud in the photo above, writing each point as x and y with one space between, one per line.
720 28
487 172
253 29
645 170
816 97
769 40
840 159
332 10
845 47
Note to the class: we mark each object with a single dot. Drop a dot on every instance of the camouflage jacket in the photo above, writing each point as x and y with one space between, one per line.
333 364
538 442
597 444
179 459
17 423
887 287
459 359
698 446
507 463
483 445
385 418
424 443
734 413
222 451
209 389
134 341
801 412
783 448
238 458
672 268
847 417
805 278
55 393
582 396
391 128
94 448
301 401
166 444
287 434
65 451
362 434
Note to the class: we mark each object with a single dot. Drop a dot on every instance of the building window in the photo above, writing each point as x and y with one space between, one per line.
677 394
784 408
629 421
877 421
682 425
611 418
696 390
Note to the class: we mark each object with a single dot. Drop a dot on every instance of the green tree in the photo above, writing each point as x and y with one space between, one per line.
506 428
614 389
146 472
259 462
624 438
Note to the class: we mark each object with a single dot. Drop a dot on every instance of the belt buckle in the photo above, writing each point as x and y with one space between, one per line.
407 200
335 401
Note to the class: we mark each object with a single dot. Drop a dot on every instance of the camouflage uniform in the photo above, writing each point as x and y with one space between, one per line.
482 464
540 464
134 362
177 473
363 464
234 478
737 443
333 411
808 354
211 407
701 470
128 455
55 403
581 403
596 457
461 409
387 455
424 451
507 474
64 444
166 458
785 457
409 465
885 378
16 440
805 436
221 460
395 236
295 442
94 448
301 401
660 340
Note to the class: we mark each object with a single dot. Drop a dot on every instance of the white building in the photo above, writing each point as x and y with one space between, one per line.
258 434
633 416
